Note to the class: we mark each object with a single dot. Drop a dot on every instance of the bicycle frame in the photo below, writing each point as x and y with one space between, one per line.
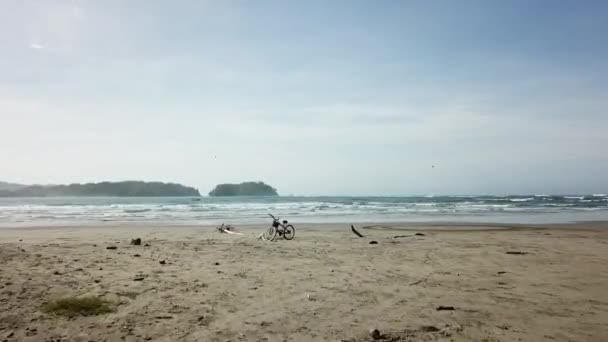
276 222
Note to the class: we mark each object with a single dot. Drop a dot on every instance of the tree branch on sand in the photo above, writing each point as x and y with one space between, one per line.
355 231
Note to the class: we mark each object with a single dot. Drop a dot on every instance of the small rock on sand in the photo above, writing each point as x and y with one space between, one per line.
374 242
375 334
111 247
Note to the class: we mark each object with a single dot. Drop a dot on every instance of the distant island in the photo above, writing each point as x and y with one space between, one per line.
10 186
244 189
119 189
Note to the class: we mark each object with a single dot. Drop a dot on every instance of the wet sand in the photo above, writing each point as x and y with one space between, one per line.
325 285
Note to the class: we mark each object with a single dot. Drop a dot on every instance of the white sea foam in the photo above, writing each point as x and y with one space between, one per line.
254 210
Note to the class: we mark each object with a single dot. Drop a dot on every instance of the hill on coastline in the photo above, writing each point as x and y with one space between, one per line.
10 186
119 189
244 189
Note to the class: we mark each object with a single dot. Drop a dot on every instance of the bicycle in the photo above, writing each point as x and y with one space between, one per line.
283 229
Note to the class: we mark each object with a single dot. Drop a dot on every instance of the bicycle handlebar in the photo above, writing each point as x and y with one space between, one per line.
274 218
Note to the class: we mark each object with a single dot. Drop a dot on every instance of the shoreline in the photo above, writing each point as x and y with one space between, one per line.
388 226
162 211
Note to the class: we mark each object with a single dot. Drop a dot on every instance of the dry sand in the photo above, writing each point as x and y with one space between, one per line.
325 285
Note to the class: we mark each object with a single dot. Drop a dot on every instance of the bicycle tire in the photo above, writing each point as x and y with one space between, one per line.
270 233
289 232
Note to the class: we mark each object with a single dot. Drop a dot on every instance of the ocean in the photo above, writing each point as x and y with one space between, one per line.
82 211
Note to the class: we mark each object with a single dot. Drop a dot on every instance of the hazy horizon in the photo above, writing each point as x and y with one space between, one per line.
316 98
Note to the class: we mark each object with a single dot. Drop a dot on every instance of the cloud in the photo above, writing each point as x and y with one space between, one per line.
36 46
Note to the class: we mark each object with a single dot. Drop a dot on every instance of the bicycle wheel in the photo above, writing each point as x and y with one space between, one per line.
289 232
270 234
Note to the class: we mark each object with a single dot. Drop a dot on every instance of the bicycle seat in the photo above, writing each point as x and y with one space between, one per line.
284 221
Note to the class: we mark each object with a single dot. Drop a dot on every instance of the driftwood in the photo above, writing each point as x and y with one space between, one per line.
423 280
224 228
445 308
228 229
355 231
429 328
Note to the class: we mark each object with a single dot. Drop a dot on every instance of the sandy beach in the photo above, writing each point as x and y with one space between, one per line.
452 283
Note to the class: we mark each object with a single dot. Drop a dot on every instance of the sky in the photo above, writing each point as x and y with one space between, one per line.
313 97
